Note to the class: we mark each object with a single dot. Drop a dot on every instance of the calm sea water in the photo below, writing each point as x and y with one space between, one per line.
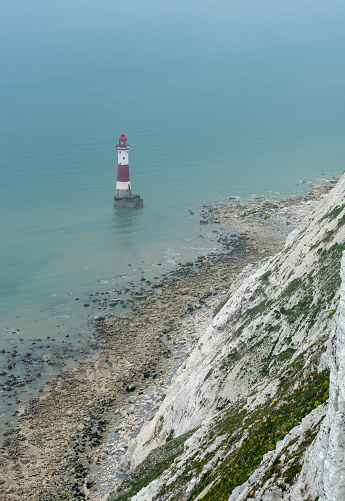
201 128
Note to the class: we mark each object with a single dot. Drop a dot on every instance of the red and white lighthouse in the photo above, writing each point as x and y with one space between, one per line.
123 183
123 192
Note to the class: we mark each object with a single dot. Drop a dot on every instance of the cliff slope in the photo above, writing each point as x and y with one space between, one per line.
248 416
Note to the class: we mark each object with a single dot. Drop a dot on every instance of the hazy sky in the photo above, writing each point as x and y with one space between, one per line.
158 27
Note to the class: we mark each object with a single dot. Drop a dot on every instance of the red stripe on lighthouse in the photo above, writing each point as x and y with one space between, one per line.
123 173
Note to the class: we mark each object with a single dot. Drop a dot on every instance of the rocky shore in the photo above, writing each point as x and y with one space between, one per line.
62 446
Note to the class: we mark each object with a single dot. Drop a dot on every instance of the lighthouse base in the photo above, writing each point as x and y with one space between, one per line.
131 201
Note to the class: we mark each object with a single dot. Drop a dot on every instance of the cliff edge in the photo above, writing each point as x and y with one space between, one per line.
258 409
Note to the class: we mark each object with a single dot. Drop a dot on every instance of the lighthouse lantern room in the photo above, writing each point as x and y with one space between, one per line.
123 192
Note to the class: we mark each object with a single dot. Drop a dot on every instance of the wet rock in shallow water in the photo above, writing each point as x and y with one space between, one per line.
157 284
130 388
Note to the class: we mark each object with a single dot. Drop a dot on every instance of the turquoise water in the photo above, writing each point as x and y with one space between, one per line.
201 128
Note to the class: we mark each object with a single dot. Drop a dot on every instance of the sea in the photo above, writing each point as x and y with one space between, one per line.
202 127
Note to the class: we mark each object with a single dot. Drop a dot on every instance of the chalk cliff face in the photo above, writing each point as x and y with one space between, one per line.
248 415
330 444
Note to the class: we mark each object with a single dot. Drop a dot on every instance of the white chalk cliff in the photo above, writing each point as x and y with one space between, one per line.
248 415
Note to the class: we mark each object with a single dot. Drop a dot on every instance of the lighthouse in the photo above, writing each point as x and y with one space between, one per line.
123 192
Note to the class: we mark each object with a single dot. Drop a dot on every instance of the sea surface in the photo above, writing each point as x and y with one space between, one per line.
201 127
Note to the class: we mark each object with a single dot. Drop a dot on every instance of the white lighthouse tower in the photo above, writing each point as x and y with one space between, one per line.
123 192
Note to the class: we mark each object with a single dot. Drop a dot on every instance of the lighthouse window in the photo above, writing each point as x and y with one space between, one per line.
124 158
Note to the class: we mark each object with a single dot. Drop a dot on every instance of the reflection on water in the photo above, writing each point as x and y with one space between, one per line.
127 223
